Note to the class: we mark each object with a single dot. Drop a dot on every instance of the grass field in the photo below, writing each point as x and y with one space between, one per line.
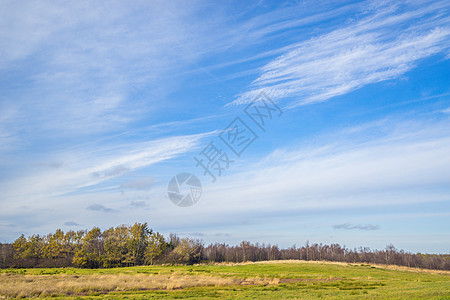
265 280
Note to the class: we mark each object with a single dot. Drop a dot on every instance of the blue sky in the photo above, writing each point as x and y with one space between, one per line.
102 103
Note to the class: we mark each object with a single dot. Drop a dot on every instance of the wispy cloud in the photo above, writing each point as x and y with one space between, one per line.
85 169
365 52
139 184
223 234
446 111
72 223
138 204
395 165
348 226
8 132
197 234
82 63
99 207
86 80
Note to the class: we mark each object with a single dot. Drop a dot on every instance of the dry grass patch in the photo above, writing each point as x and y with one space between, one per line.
23 286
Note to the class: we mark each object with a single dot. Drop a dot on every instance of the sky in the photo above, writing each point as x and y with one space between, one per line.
319 121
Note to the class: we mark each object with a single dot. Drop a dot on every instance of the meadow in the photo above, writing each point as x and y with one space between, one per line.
260 280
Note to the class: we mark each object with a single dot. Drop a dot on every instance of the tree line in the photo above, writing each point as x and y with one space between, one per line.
138 244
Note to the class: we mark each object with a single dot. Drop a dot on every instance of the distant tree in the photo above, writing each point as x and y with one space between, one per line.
91 253
6 255
138 242
174 241
55 246
187 252
69 243
117 252
20 246
136 245
155 247
245 246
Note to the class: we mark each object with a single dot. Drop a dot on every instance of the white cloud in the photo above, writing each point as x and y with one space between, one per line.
406 164
145 183
82 63
99 207
348 226
400 161
8 133
85 169
362 53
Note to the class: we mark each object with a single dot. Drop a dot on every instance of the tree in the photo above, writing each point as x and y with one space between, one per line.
20 246
55 247
155 247
6 255
174 240
91 253
116 246
187 252
245 245
138 242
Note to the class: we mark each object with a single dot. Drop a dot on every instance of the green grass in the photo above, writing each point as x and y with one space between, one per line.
288 280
